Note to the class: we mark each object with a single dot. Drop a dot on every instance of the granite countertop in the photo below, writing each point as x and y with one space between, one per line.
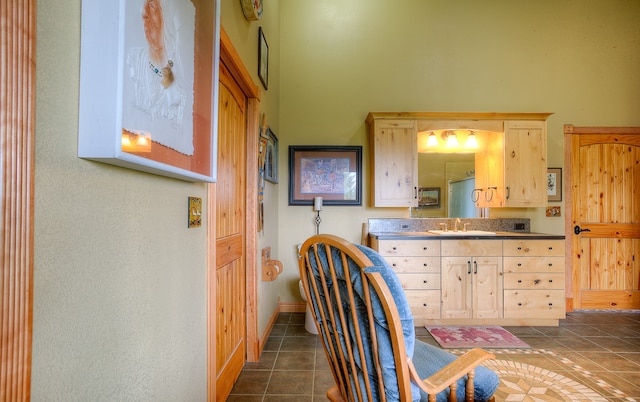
452 236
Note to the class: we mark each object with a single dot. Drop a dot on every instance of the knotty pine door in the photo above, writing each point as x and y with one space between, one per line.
603 223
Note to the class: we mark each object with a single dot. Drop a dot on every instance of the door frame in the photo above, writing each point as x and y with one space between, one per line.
17 135
232 61
571 139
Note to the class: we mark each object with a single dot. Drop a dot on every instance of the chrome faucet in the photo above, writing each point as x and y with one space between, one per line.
455 224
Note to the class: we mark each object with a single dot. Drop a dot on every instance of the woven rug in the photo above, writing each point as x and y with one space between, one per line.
488 337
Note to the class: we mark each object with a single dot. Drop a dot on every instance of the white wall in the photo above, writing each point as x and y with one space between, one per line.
343 59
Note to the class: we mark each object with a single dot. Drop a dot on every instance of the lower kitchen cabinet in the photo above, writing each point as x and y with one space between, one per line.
516 281
534 280
471 279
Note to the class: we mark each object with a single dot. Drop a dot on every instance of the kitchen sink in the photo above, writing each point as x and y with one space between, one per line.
461 233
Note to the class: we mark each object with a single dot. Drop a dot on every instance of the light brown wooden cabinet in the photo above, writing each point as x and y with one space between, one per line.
480 281
471 279
417 264
534 279
394 167
511 172
510 169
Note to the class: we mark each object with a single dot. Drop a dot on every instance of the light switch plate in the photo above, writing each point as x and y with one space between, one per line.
195 212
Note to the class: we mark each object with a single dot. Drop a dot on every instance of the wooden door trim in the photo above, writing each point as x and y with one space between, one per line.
17 136
231 59
574 137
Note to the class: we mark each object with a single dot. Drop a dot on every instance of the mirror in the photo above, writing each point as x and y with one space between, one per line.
438 171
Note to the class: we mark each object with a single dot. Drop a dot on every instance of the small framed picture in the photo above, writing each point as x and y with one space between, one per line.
554 184
263 59
429 197
271 158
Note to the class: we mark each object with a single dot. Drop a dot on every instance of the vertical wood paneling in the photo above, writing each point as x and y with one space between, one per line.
17 100
604 197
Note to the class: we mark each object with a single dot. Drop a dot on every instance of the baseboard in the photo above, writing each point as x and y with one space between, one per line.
297 307
268 329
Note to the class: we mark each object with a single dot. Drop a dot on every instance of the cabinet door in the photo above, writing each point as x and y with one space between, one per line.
487 287
525 163
490 173
456 287
395 163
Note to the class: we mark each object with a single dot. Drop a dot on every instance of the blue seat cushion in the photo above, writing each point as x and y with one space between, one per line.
428 359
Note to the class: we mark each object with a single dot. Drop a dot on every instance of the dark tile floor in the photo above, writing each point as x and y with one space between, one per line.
600 346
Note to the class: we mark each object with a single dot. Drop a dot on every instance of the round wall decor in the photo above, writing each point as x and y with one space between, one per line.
252 9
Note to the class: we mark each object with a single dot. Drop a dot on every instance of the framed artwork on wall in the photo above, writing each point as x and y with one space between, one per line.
271 158
331 172
554 184
263 59
149 86
429 197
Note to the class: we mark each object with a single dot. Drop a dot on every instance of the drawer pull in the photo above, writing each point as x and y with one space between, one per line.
550 264
537 281
519 304
425 264
550 280
519 264
394 248
425 304
519 248
425 281
394 264
519 280
551 304
550 248
424 248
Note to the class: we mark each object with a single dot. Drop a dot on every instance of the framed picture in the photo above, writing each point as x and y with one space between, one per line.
554 184
331 172
263 59
271 158
149 86
429 197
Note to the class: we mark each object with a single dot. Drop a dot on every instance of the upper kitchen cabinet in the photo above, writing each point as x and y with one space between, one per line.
394 164
510 155
511 170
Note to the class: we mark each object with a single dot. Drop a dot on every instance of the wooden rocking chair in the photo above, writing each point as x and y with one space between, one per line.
367 331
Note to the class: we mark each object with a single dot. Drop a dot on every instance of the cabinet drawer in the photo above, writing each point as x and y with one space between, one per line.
533 264
534 281
414 264
533 248
424 304
476 248
420 281
534 304
409 247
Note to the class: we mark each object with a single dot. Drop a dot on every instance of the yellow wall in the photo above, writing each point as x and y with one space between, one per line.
343 59
120 301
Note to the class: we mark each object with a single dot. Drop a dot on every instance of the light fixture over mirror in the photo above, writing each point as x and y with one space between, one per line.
451 141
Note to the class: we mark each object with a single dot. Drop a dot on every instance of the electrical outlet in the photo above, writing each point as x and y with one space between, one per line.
518 226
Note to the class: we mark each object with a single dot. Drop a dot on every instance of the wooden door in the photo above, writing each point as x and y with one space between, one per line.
456 287
487 287
525 164
603 223
230 235
395 163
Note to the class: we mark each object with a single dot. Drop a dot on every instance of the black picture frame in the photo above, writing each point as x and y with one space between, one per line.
331 172
263 59
271 158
